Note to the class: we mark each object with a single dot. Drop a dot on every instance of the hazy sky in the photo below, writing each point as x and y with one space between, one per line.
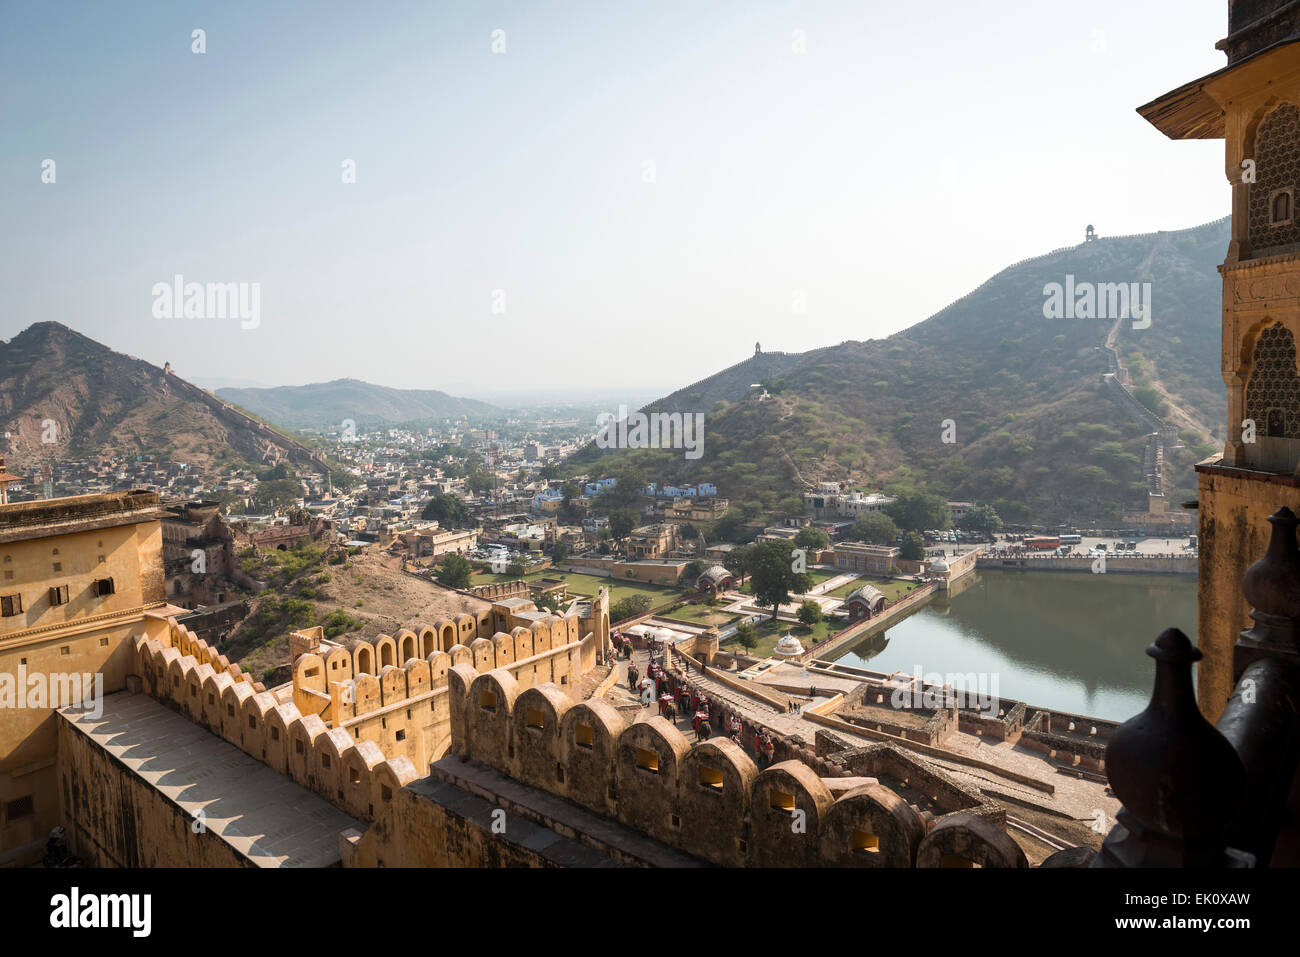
910 151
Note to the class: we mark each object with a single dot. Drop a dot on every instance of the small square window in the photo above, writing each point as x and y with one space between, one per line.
58 594
103 642
401 735
11 605
58 566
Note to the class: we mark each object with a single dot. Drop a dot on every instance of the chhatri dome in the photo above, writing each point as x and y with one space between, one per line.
789 647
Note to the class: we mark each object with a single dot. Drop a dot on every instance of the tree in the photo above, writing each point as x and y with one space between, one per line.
454 572
277 493
913 547
550 601
812 539
480 481
560 551
621 523
875 528
632 606
747 635
728 527
772 574
981 518
693 570
447 510
515 568
915 510
737 561
810 613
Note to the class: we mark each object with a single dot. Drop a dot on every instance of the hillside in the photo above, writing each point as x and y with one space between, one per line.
104 402
1037 432
328 404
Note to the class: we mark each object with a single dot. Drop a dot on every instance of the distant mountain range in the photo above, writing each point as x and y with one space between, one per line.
1034 428
324 405
65 395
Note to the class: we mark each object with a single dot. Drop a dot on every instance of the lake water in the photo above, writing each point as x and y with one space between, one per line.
1058 640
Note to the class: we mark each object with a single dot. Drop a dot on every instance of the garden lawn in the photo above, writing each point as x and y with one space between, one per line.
891 588
589 584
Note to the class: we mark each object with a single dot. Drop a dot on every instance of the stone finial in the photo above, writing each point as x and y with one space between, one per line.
1178 778
1272 587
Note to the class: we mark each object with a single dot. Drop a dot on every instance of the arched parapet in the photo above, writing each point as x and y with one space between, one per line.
343 701
488 719
787 807
253 723
717 778
417 677
279 721
392 684
484 654
303 735
589 733
428 638
646 764
466 629
439 665
871 826
523 639
363 659
325 767
147 651
541 636
214 692
446 634
202 653
233 697
461 655
359 765
191 702
309 673
538 749
459 679
408 645
385 652
387 778
503 649
173 691
968 840
367 694
338 665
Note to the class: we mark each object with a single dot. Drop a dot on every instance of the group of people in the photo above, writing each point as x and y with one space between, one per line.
657 687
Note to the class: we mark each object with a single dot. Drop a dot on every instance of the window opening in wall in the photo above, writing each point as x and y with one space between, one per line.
865 842
11 605
710 778
954 860
534 719
781 801
58 594
647 760
584 736
487 700
401 735
22 807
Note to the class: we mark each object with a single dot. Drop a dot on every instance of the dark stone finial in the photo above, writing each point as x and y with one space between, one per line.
1272 587
1178 778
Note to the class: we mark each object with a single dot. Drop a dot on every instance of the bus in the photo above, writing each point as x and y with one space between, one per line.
1043 542
1071 539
